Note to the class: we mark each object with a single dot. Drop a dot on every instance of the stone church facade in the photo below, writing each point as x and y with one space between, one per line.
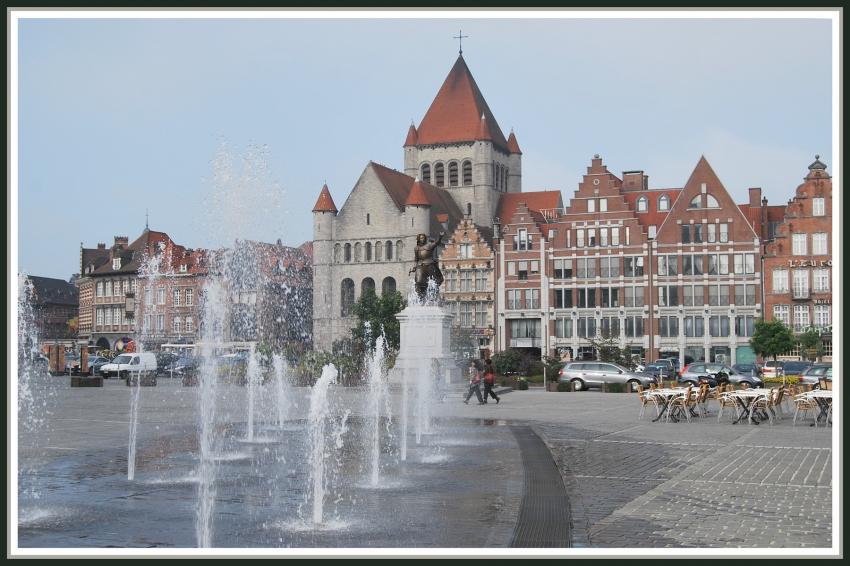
457 164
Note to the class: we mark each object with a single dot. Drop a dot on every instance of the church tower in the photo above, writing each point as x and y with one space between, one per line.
324 221
460 147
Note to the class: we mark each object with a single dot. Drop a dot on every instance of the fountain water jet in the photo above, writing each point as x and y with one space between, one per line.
378 401
319 413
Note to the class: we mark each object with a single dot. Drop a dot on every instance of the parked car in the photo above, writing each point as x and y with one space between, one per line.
662 369
72 364
181 366
815 373
164 359
122 365
715 374
586 375
773 369
95 363
751 369
795 368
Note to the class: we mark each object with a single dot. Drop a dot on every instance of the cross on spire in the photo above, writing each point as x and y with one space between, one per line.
146 219
460 37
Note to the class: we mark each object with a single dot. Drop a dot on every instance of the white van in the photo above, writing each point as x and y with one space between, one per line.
130 363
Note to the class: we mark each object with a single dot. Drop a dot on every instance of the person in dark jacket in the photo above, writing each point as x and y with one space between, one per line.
475 371
489 381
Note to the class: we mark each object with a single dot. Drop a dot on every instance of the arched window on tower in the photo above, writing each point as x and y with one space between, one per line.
496 176
347 257
507 176
503 177
453 174
346 296
388 286
467 173
398 249
357 250
379 248
368 251
389 250
426 173
469 209
337 250
439 175
367 286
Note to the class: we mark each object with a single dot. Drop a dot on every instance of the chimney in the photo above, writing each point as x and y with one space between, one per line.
755 196
635 180
121 240
101 245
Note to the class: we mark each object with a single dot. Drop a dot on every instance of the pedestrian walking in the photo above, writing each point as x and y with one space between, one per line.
489 381
475 371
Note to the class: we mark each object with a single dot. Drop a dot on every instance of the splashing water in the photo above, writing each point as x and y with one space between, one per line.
150 271
253 377
319 412
281 387
378 399
29 417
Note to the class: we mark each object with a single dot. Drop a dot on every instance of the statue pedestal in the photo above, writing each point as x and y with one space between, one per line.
424 343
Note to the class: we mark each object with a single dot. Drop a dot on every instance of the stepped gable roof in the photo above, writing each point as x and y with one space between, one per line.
325 203
399 186
50 291
535 200
416 196
455 114
513 146
412 136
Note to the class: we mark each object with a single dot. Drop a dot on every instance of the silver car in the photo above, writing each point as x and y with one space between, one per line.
708 372
585 375
814 374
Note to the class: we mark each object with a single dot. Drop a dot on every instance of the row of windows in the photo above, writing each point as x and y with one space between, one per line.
118 288
705 233
668 326
668 296
589 327
799 244
469 314
599 237
379 251
801 278
179 297
179 325
663 204
388 285
107 316
802 316
466 280
668 265
439 170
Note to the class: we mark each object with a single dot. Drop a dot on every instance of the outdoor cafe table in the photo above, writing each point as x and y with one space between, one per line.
666 396
745 398
823 397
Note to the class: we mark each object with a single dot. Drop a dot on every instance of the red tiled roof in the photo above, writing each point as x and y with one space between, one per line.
483 130
455 114
325 203
536 201
416 196
399 186
411 136
513 146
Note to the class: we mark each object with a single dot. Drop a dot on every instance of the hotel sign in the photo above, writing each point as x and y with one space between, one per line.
809 263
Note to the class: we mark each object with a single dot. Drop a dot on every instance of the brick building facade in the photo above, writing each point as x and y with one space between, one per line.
798 261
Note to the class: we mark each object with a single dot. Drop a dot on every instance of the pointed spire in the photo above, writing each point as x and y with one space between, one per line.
325 203
412 136
455 112
513 146
483 130
417 196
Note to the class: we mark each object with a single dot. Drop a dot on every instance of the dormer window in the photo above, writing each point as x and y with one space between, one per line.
184 268
116 263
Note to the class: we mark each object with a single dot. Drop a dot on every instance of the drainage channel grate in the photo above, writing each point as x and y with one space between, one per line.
544 514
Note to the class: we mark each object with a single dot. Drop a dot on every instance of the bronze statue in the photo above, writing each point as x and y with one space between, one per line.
426 266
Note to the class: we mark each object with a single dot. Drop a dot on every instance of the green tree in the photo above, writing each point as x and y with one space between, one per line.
772 338
811 344
509 361
377 314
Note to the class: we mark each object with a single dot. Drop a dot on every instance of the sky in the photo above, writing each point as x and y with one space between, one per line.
122 117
